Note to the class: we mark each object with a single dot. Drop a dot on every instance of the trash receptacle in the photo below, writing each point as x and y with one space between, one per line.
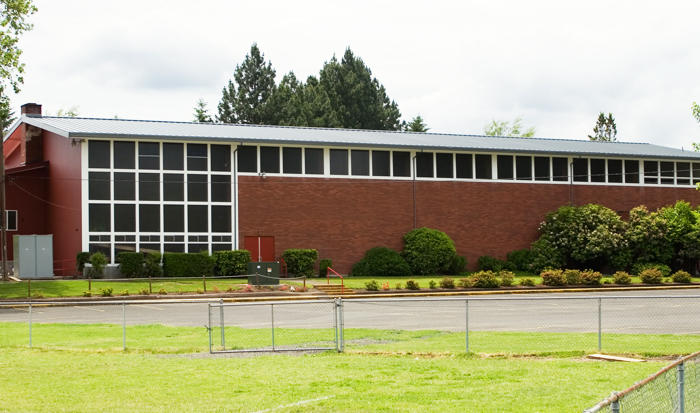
263 273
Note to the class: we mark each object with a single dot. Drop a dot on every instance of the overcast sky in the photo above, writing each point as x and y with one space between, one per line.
458 64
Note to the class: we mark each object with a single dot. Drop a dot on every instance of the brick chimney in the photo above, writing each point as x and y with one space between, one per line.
31 109
32 144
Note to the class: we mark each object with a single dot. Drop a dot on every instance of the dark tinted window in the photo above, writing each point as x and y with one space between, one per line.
220 218
541 168
247 159
683 172
11 220
560 169
220 158
380 163
505 166
291 160
124 186
597 170
339 161
360 162
444 165
402 163
270 159
149 187
667 173
99 218
149 218
220 247
651 172
483 166
197 188
581 170
464 165
149 248
98 154
124 155
632 172
168 247
614 170
523 168
174 218
173 156
124 218
696 172
221 188
424 164
173 187
149 157
98 185
196 157
313 159
197 218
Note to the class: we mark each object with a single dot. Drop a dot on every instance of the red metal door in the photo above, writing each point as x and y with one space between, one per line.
261 248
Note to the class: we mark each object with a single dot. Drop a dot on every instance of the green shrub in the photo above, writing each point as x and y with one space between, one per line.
130 264
545 254
323 266
527 282
520 260
457 265
639 267
98 261
573 277
383 262
227 263
651 276
372 285
432 284
162 292
681 276
151 265
412 285
428 251
106 292
622 278
590 277
81 259
181 264
553 277
485 279
87 293
398 286
300 262
447 282
465 283
489 263
506 277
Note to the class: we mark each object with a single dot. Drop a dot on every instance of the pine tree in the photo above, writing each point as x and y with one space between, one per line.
7 117
201 113
227 112
605 129
415 125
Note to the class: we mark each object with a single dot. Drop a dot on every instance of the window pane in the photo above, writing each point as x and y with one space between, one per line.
124 218
560 169
173 187
98 185
402 163
220 247
221 188
291 159
505 166
360 162
149 248
614 170
99 218
380 163
197 218
631 172
11 220
149 218
424 164
247 158
196 157
483 166
124 186
149 187
270 159
173 156
696 173
523 168
220 218
667 173
196 188
541 168
220 158
314 161
123 248
339 161
98 154
683 173
195 248
651 172
124 155
444 165
581 170
174 247
149 157
174 218
464 165
597 170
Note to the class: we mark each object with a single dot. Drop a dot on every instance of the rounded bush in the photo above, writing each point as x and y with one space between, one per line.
412 285
447 283
590 277
372 285
681 277
300 262
428 251
527 282
457 265
506 277
520 259
485 279
383 262
553 277
651 276
622 278
638 268
573 277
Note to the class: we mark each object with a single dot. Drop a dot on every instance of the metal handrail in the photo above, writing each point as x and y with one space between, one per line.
328 278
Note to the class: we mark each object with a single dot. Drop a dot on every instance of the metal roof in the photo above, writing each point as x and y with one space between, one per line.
144 129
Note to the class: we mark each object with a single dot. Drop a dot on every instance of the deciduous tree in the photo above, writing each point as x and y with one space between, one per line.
605 129
509 129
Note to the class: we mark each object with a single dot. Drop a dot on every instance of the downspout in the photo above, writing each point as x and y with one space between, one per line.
571 183
414 190
235 201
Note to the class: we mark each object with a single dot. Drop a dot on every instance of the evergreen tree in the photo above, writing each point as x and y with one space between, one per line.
605 129
415 125
6 115
509 129
227 113
201 113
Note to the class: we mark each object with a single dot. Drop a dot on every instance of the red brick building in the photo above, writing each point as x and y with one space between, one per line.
116 185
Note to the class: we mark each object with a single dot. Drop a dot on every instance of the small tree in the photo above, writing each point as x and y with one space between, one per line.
605 129
98 261
509 129
415 125
201 113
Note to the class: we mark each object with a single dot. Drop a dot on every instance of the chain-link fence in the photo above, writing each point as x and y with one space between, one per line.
675 388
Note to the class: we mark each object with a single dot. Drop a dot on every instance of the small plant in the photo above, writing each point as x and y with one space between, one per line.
622 278
87 293
124 293
106 292
412 285
398 286
573 277
651 276
681 276
465 283
372 285
553 277
639 267
486 279
230 290
448 283
527 282
200 291
590 277
38 295
432 284
215 289
607 282
143 291
507 278
98 261
162 292
385 286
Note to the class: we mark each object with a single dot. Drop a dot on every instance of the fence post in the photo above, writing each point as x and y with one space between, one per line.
336 321
204 282
600 324
615 406
342 325
221 319
681 388
150 286
29 289
209 326
30 325
466 324
272 322
124 325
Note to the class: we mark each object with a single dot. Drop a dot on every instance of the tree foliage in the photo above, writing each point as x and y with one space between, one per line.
508 128
695 108
605 129
428 251
416 124
201 113
6 115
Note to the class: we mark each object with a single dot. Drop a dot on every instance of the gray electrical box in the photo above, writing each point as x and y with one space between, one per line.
263 273
33 256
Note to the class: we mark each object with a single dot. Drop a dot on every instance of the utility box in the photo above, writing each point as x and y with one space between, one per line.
263 273
33 256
